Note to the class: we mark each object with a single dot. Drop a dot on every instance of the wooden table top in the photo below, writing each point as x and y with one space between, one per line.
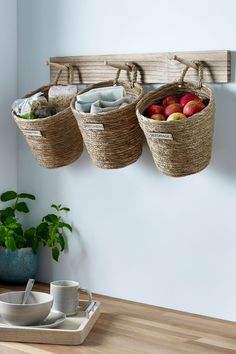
126 327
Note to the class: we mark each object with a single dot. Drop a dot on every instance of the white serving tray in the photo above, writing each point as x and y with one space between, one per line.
72 331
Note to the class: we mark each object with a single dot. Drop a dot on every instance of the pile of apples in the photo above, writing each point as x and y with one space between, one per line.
173 108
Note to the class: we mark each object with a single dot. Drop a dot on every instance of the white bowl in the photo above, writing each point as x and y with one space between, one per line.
35 310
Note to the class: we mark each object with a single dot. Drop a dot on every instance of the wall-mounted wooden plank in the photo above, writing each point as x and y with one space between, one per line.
154 68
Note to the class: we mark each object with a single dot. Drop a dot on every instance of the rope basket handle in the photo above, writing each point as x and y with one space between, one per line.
61 67
128 67
196 64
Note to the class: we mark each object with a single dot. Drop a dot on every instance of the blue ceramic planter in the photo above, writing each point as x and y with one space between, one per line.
18 266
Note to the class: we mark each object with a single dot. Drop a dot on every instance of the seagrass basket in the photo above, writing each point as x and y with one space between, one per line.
182 147
113 139
55 141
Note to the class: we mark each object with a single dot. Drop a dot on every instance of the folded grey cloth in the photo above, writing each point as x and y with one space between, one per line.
82 107
107 106
111 93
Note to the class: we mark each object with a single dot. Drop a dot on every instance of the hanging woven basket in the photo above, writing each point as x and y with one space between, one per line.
55 141
182 147
113 139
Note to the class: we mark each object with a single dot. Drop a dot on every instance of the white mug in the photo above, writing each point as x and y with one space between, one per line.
66 296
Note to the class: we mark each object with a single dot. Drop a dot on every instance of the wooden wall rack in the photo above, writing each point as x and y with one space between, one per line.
154 68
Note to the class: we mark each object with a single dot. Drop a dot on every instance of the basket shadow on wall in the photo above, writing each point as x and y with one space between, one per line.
224 146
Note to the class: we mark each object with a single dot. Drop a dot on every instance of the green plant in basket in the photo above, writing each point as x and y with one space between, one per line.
49 233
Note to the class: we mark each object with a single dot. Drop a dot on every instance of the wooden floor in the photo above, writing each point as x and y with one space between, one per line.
130 328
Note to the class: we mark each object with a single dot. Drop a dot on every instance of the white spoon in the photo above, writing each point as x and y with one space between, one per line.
28 289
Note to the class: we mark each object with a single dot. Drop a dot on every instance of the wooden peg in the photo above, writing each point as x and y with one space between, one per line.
186 62
59 66
126 67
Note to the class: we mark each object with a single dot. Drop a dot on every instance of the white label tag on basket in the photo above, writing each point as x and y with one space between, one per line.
93 126
28 132
163 136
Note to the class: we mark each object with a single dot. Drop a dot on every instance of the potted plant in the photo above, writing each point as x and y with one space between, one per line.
18 246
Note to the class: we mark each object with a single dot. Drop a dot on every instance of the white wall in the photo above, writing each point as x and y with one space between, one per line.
8 88
139 235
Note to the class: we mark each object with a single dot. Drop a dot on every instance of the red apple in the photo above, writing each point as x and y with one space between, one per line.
189 97
153 109
158 116
193 107
172 108
169 100
176 116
